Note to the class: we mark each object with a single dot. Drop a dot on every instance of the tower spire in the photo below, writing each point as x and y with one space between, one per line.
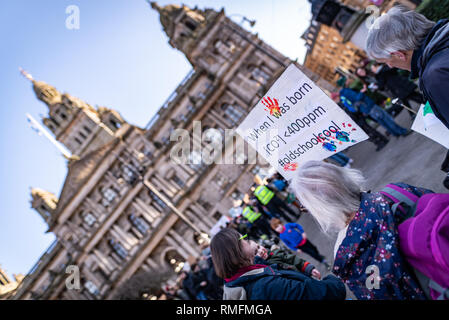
154 4
26 74
44 92
181 24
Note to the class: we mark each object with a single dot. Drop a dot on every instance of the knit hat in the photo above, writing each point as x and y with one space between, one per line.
341 82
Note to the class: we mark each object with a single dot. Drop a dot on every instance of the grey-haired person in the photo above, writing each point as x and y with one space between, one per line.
405 39
367 228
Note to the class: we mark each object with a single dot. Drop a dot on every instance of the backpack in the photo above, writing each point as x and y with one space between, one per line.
424 237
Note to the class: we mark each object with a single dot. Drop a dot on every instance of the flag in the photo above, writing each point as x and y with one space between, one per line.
429 117
34 127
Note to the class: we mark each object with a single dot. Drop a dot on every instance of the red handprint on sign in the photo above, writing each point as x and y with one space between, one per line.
291 166
272 105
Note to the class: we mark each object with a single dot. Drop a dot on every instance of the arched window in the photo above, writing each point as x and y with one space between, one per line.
178 181
175 260
78 141
232 113
196 161
118 248
115 124
54 121
259 75
89 219
109 194
51 127
225 49
157 200
139 223
92 288
190 25
128 174
45 211
88 131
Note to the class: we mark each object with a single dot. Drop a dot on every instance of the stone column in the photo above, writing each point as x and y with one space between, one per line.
183 243
177 246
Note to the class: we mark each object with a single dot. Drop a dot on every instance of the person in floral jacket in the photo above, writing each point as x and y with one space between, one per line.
367 229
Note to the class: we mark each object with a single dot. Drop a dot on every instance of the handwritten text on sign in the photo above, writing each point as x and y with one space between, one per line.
296 122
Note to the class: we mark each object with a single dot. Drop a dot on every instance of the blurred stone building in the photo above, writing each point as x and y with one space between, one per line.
327 52
7 285
106 220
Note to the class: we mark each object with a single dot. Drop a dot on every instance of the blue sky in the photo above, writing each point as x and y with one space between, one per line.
119 58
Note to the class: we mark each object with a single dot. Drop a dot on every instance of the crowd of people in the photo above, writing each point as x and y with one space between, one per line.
259 222
391 243
197 281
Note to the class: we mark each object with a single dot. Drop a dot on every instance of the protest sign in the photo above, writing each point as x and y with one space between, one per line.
296 122
427 124
221 223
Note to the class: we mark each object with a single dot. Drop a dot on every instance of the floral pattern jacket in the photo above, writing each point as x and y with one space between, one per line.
372 240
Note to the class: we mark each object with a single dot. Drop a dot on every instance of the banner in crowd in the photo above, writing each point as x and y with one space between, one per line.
221 224
296 122
427 124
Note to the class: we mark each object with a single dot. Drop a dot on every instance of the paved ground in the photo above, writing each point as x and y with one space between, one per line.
414 159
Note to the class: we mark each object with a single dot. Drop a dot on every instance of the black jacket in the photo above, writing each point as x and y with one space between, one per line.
399 86
430 63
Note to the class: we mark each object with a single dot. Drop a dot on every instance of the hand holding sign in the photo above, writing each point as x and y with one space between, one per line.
302 124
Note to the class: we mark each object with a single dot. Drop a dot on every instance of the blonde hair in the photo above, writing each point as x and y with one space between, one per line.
274 223
330 193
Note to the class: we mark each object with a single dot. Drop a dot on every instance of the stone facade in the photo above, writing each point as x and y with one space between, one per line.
108 222
8 286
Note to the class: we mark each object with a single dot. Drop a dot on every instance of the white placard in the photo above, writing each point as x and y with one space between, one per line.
221 223
427 124
296 122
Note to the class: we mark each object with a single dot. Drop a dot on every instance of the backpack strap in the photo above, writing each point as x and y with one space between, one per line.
400 198
444 292
423 281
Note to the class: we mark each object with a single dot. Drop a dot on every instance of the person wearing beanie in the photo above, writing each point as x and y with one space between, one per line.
341 82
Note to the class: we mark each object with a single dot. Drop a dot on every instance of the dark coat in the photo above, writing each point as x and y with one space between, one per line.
360 100
431 64
399 86
289 261
191 284
214 288
270 283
